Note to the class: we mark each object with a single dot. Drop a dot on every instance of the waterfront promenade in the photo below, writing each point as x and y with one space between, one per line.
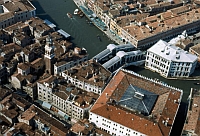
97 22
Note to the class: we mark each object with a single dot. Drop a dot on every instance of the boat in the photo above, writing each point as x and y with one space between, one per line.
81 14
76 11
99 37
69 15
198 83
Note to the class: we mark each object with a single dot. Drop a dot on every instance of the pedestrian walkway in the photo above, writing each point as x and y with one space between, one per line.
98 22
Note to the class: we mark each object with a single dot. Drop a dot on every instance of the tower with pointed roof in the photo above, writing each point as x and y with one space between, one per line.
49 55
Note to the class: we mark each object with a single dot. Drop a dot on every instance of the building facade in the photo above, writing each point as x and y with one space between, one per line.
15 11
45 88
89 76
191 126
169 60
131 105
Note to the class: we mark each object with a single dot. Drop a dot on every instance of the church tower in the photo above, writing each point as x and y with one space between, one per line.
49 55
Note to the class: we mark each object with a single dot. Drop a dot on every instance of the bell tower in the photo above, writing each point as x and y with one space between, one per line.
49 55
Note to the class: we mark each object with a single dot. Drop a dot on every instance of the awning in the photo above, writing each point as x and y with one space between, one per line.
61 113
46 105
62 32
49 23
66 117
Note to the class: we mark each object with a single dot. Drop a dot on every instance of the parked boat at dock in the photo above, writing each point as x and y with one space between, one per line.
81 14
76 11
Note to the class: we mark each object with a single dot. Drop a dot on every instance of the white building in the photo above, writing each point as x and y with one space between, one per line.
170 61
67 100
74 102
45 88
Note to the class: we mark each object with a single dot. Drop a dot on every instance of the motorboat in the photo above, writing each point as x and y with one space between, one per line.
198 83
69 15
76 11
81 14
99 37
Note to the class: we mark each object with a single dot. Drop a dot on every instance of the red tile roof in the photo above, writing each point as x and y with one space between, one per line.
192 120
165 107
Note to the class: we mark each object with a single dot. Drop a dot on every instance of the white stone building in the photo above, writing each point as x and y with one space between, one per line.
66 100
72 101
45 88
170 61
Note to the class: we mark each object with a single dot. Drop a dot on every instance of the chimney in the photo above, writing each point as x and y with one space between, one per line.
87 75
106 95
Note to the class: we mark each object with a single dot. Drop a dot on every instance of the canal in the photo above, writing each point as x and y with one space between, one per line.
85 35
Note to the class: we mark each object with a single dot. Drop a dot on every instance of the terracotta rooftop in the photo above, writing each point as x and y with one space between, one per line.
48 79
163 111
114 12
82 126
4 92
54 124
90 72
150 2
125 20
101 132
14 27
12 47
11 113
166 15
55 37
6 16
196 48
83 98
27 115
38 24
192 120
22 127
166 22
18 76
38 63
181 10
18 6
20 101
63 91
24 66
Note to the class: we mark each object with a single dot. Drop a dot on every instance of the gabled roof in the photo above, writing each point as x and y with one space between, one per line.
158 122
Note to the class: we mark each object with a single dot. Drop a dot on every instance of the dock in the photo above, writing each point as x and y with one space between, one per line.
98 22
